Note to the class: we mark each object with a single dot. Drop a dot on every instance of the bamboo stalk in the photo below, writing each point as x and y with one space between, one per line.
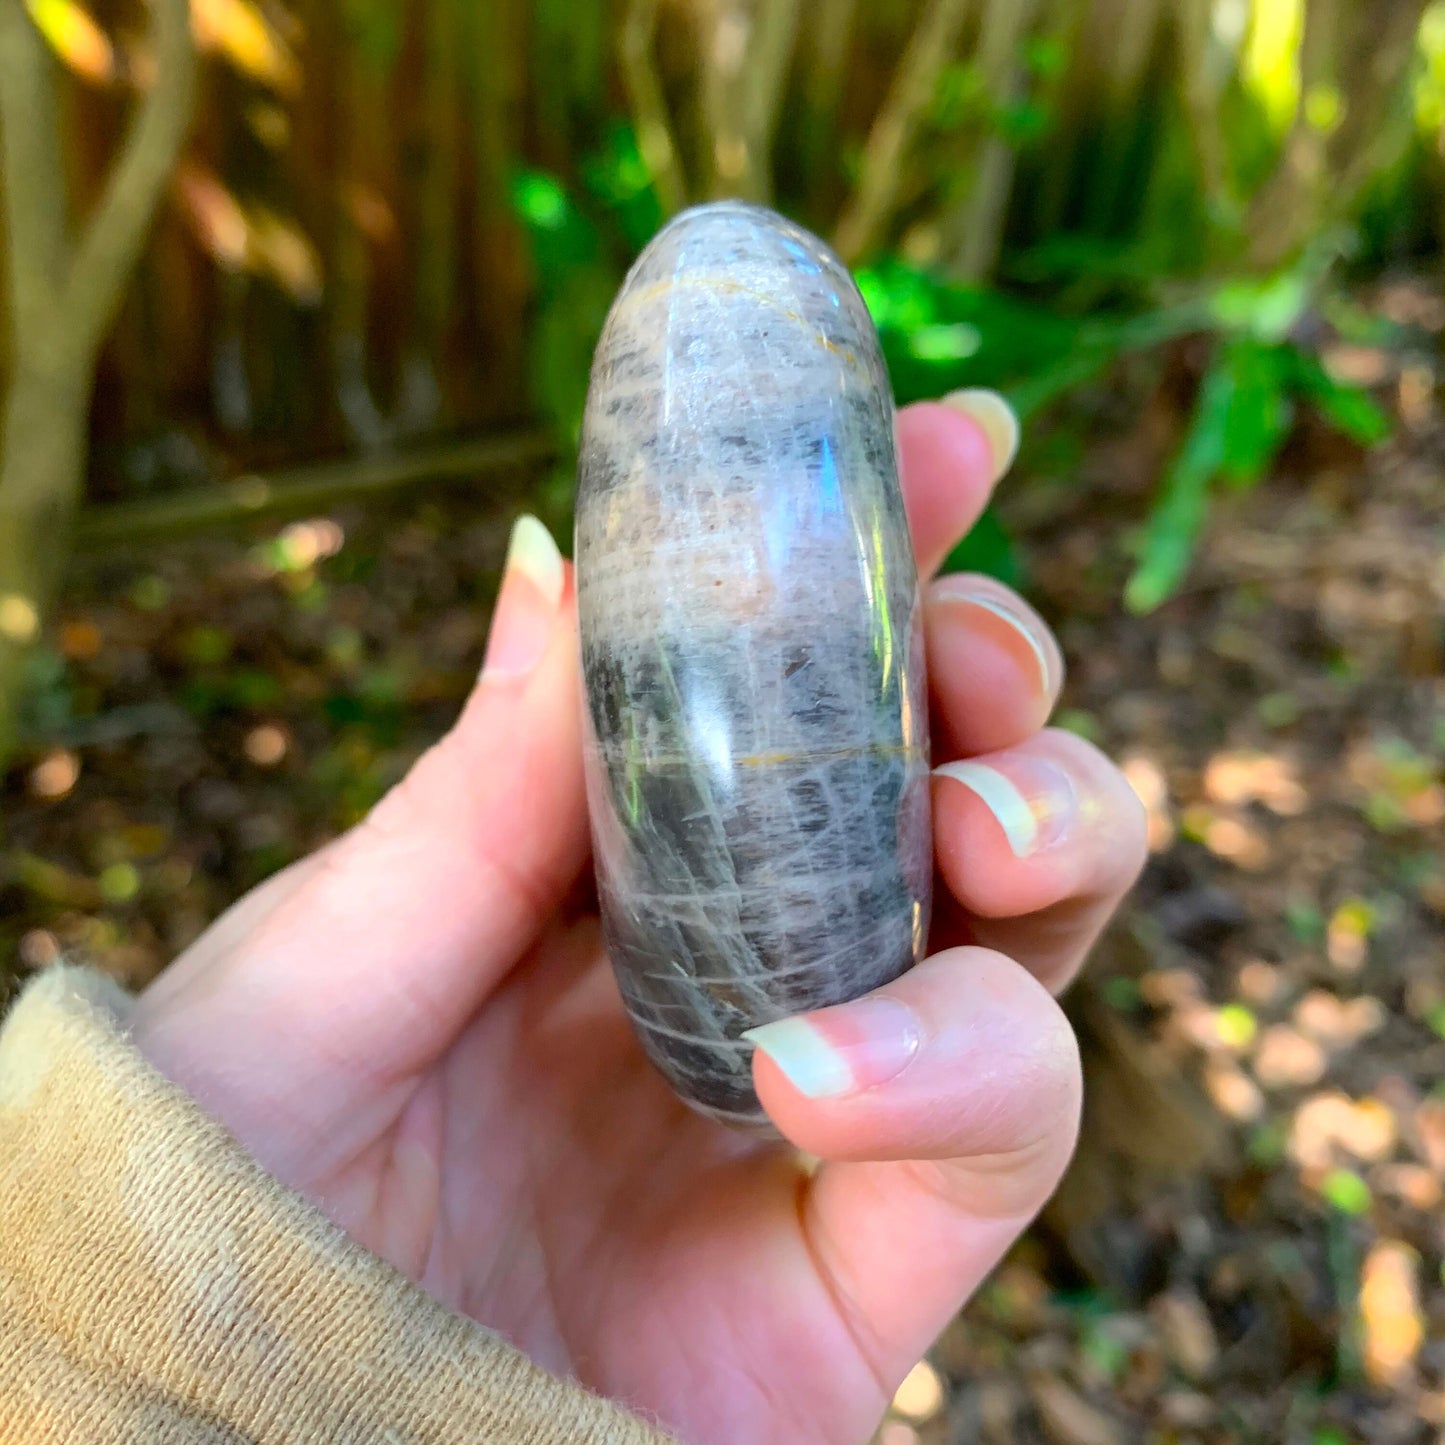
1128 32
365 94
1067 27
1192 21
1377 62
774 35
832 34
299 491
976 229
436 260
724 32
499 265
1320 175
640 79
870 208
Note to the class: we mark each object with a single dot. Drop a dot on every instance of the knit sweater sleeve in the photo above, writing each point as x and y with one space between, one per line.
156 1285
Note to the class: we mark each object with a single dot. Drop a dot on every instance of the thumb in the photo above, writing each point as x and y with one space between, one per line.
386 942
946 1106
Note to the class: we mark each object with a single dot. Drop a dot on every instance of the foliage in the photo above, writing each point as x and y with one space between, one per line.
939 335
1247 402
403 222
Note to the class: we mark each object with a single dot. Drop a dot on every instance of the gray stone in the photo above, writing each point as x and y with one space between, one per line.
757 750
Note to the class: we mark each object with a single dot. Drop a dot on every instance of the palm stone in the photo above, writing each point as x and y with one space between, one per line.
757 721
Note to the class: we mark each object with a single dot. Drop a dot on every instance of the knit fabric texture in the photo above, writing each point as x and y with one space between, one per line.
156 1285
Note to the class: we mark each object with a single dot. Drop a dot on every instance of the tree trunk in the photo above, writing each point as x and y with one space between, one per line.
42 463
64 293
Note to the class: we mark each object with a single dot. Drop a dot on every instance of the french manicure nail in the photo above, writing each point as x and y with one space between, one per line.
967 590
1034 803
996 417
842 1050
527 601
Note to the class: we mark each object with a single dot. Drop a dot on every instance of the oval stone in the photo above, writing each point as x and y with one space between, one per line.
757 718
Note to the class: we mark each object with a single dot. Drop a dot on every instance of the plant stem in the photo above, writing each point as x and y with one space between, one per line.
868 211
649 110
976 229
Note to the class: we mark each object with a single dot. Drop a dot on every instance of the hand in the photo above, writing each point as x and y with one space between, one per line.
417 1028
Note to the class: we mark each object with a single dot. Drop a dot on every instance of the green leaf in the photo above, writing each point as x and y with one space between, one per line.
1022 121
563 239
375 31
119 883
1347 1192
255 690
1304 920
1178 515
1045 55
988 548
1269 1144
959 96
540 200
560 347
1259 410
1080 722
618 177
1267 309
206 645
1104 1349
1349 409
945 341
1237 1026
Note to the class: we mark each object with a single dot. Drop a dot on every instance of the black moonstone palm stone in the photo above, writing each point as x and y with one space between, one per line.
757 721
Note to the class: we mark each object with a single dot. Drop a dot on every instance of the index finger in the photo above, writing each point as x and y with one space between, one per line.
950 455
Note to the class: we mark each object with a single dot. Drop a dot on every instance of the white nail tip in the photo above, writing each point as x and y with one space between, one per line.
532 552
996 417
811 1064
1002 799
1035 646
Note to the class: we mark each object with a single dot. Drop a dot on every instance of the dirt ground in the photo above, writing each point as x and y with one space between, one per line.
1250 1246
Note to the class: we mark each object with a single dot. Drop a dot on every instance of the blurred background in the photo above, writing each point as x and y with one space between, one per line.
300 300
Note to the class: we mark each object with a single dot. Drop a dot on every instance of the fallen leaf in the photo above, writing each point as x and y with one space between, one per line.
1069 1419
1249 777
1390 1312
1188 1333
1330 1126
1285 1058
1337 1022
1234 1093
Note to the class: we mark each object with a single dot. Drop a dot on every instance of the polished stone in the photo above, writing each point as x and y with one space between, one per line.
757 750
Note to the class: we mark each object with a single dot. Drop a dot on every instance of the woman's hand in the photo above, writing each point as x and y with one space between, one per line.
418 1028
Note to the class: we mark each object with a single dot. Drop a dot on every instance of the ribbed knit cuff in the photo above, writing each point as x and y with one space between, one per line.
156 1285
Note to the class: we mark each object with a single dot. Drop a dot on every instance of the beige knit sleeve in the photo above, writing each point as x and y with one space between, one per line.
157 1286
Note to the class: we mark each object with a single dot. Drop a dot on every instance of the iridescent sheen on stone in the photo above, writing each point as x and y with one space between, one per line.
757 750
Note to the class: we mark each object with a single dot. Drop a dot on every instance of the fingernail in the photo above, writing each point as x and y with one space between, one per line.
842 1050
1019 624
1034 802
527 602
997 419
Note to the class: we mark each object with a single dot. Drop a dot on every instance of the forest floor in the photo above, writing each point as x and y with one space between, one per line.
1250 1246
